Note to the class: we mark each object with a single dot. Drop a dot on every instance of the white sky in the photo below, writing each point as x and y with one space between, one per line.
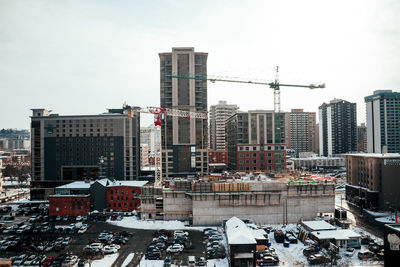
81 57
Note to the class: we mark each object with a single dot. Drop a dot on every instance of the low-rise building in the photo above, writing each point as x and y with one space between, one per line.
342 238
319 162
69 205
124 195
373 180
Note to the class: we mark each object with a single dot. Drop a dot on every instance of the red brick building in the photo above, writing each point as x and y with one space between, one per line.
251 158
217 156
69 205
124 195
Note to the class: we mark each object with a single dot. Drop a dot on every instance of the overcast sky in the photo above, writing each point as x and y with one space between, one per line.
81 57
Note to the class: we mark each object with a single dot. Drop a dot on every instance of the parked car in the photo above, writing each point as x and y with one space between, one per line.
82 262
82 230
167 262
109 250
176 248
126 234
365 254
202 261
48 261
317 259
180 233
349 252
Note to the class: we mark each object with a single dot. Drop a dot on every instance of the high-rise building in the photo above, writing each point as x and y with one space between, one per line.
83 147
337 127
251 142
144 155
184 140
218 115
301 131
362 138
383 124
149 136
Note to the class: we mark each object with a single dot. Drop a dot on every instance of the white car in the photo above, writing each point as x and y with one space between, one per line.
176 248
82 230
117 247
97 245
180 233
79 218
349 252
109 250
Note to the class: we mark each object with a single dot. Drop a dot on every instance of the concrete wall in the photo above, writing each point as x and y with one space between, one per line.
177 205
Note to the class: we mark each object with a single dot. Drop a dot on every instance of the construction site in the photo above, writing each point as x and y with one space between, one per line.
258 198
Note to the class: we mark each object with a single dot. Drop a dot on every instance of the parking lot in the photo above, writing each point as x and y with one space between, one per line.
37 236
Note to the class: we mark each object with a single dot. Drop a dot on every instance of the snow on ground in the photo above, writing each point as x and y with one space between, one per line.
218 263
388 219
134 222
108 260
151 263
128 259
376 214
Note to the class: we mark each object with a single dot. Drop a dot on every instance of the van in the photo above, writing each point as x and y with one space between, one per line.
191 261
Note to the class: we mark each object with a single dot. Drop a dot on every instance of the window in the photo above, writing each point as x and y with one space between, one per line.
112 198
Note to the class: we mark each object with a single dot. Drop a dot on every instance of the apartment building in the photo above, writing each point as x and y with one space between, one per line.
301 131
383 125
251 143
337 127
184 140
218 115
362 138
67 148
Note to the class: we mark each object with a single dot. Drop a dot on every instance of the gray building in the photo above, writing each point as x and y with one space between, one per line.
383 124
184 140
69 148
337 127
218 115
362 138
301 131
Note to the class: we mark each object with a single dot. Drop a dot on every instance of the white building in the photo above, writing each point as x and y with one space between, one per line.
144 155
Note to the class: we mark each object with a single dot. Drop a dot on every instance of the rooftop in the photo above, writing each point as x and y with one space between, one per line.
318 225
376 155
342 234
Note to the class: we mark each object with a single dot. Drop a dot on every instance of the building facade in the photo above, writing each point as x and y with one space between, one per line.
250 141
337 128
149 136
373 180
69 148
301 131
69 205
184 140
217 156
383 125
362 138
124 196
218 115
144 155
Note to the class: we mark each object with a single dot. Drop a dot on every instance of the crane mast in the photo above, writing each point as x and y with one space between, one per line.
275 85
159 115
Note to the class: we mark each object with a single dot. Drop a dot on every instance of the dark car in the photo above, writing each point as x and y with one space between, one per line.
126 234
167 262
366 254
317 259
82 262
279 236
269 261
310 250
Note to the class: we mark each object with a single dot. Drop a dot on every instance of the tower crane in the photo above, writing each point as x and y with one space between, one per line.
159 115
275 85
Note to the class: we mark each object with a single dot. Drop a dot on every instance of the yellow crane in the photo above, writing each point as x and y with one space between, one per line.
275 85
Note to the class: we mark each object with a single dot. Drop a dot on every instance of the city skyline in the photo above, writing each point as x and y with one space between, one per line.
62 54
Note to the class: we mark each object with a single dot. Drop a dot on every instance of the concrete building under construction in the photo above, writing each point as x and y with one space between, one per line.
262 200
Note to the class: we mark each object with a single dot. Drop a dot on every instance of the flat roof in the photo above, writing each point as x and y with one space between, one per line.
76 185
318 225
375 155
237 232
341 234
127 183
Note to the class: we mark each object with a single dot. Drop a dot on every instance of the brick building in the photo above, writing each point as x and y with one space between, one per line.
217 156
250 139
69 205
124 195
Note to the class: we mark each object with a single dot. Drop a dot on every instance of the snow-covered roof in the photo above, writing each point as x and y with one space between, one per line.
238 233
318 225
127 183
376 155
259 234
341 234
76 185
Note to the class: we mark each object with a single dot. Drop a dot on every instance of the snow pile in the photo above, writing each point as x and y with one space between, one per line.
108 260
128 260
218 263
151 263
134 222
